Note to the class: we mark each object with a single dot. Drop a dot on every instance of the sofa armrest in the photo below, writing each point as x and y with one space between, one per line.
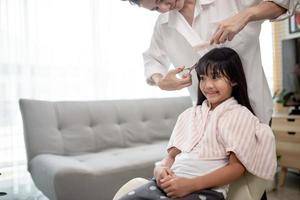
45 168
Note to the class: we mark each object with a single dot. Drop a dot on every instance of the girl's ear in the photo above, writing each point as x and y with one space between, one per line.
234 84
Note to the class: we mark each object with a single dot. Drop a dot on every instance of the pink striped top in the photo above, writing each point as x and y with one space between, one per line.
231 127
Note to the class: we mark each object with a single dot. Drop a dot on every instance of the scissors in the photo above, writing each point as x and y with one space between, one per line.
187 71
190 69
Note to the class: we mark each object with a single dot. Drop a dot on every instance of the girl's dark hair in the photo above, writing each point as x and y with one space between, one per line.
226 62
136 2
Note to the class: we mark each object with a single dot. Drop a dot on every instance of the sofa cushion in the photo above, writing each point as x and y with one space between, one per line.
123 158
68 176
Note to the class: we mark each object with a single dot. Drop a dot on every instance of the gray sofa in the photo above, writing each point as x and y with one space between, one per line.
88 150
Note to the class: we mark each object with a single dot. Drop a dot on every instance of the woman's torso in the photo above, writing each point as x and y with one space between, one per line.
178 34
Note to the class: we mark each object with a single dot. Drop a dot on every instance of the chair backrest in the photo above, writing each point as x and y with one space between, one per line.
72 128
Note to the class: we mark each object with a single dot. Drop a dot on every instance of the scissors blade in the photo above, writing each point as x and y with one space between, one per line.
192 67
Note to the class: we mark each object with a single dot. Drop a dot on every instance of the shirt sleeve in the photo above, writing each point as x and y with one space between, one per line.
178 131
174 133
155 58
289 5
252 142
183 133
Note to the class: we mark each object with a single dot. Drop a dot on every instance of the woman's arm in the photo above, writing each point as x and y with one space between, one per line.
229 27
156 64
265 10
179 187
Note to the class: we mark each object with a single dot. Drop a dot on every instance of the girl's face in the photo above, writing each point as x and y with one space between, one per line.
162 5
216 88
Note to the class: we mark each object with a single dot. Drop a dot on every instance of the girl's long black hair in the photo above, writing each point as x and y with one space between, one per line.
226 62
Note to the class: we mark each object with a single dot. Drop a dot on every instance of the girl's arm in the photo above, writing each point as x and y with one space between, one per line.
180 187
169 160
225 175
163 169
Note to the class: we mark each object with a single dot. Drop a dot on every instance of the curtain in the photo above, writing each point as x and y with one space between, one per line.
66 50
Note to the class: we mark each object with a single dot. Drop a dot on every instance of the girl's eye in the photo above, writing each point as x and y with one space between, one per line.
216 76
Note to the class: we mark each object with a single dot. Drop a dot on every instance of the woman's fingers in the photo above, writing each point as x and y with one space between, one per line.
216 36
227 29
186 82
221 36
171 82
183 82
224 37
176 70
184 85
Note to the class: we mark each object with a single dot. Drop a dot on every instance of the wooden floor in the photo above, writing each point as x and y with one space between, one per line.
290 191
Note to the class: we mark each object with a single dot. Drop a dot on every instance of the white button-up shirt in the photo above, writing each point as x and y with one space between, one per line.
175 42
290 5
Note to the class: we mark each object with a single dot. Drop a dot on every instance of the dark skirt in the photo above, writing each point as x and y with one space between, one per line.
151 191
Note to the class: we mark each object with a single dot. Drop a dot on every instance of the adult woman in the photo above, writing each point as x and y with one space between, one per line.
187 29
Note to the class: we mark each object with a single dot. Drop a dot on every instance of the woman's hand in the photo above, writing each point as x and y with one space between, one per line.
229 27
171 82
176 187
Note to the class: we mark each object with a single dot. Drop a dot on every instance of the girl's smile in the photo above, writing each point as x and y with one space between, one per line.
216 89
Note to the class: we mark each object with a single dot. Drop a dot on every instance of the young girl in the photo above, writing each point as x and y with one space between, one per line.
214 142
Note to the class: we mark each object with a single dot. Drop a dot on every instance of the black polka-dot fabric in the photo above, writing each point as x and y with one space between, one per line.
151 191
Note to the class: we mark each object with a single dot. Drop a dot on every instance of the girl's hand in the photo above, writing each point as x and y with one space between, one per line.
176 187
161 173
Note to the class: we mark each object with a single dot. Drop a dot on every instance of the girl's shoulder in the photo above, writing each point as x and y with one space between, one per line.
237 110
190 110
